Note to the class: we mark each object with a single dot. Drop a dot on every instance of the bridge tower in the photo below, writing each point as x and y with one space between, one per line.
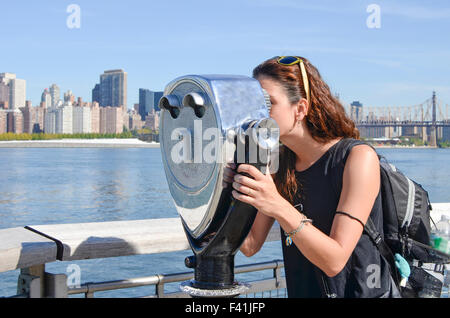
433 130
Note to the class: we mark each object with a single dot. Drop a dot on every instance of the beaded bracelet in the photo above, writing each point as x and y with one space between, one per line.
290 235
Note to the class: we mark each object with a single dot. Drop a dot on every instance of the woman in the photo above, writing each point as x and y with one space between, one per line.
323 192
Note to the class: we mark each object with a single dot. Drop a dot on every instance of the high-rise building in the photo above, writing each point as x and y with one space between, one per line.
50 120
152 120
111 120
17 90
96 93
37 115
82 120
3 118
4 93
356 113
156 97
64 119
446 133
46 99
59 120
27 117
125 119
135 121
55 95
95 117
112 90
14 121
69 97
145 100
148 101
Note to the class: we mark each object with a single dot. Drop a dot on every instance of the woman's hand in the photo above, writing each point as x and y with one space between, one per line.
228 174
260 192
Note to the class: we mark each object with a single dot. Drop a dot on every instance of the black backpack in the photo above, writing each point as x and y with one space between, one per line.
406 227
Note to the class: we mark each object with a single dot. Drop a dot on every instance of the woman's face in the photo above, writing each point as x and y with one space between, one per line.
282 111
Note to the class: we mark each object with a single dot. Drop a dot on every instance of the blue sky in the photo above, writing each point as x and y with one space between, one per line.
398 64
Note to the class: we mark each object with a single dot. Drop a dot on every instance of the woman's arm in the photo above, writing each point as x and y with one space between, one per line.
258 234
360 187
261 226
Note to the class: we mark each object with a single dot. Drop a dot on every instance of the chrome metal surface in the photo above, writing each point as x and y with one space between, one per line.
237 289
197 138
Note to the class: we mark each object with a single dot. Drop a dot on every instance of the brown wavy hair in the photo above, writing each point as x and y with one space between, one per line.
326 119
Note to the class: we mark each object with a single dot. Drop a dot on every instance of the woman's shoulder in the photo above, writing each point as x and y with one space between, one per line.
362 155
362 149
356 147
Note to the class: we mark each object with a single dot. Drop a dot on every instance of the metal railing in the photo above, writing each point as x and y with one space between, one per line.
274 286
31 248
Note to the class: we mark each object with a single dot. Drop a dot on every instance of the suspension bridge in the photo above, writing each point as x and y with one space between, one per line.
428 120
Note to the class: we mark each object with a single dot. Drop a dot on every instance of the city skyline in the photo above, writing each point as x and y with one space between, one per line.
398 62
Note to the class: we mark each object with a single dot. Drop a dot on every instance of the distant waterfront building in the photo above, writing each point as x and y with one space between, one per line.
126 118
4 93
27 117
148 101
50 120
135 121
96 93
3 118
14 121
37 117
82 120
144 102
446 133
64 119
95 117
152 120
46 99
156 97
112 89
69 97
17 90
356 111
111 120
59 120
55 95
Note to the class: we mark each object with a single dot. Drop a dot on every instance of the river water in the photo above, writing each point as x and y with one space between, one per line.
77 185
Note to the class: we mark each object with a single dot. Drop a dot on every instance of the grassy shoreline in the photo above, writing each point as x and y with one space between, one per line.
79 143
42 136
12 139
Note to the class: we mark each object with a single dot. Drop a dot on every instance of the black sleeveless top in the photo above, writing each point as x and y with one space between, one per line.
366 273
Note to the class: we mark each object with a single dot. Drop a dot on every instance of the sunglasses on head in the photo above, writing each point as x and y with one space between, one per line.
292 60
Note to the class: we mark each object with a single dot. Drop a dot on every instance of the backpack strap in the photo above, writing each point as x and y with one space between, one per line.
383 248
369 227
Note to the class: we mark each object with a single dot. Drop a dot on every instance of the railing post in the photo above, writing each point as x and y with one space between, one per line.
56 285
31 281
277 274
159 287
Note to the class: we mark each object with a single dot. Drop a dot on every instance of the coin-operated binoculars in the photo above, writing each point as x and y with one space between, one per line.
206 122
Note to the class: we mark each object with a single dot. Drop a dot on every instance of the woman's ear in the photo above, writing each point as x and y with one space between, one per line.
302 110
